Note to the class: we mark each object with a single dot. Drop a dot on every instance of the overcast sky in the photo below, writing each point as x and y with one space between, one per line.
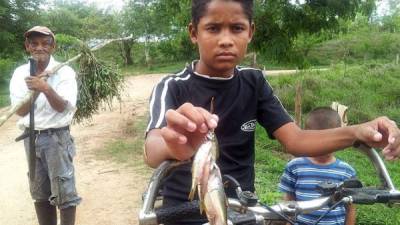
115 4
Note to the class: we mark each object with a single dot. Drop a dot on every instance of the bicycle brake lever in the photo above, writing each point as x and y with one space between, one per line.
327 188
352 183
246 198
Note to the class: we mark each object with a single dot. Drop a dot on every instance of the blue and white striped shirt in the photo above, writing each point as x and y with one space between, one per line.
300 179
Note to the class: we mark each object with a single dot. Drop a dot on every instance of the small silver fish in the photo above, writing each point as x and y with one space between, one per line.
215 202
214 145
200 168
206 178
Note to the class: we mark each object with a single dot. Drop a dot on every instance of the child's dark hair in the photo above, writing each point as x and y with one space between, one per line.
322 118
200 6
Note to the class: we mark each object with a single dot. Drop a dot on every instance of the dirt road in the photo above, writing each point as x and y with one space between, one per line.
111 192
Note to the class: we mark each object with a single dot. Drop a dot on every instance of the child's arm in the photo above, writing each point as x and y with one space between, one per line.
350 214
381 132
289 197
185 131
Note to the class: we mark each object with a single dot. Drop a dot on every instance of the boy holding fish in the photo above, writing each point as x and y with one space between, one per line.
179 120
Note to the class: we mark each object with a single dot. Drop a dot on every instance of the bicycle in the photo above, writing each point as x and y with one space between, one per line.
247 210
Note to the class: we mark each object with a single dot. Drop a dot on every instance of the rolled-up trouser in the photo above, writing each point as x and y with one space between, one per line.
54 173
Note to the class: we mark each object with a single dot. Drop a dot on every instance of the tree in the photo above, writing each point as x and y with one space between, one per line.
391 22
280 22
15 18
143 21
80 20
175 15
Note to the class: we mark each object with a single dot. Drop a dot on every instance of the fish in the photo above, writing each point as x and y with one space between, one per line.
215 201
207 181
205 156
200 168
214 145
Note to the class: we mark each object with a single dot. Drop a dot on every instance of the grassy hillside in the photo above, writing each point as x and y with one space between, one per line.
358 47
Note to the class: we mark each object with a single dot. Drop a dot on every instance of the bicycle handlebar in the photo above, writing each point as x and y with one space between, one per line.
172 214
259 213
188 209
378 164
368 196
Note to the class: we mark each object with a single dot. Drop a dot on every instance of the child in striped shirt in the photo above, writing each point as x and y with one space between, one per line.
302 175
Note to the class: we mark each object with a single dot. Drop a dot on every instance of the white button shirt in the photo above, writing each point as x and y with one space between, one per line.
63 82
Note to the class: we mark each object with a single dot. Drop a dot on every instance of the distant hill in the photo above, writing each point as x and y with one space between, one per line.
360 47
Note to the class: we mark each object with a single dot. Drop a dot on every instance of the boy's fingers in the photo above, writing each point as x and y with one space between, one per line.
192 113
177 143
392 130
211 120
392 150
172 136
391 154
394 133
191 118
176 119
371 135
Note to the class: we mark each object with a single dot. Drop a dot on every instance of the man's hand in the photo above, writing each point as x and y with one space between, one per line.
381 132
37 83
186 130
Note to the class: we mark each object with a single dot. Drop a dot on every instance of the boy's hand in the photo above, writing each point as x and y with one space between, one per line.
186 130
381 132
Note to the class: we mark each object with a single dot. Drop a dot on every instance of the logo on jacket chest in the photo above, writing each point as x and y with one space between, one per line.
249 126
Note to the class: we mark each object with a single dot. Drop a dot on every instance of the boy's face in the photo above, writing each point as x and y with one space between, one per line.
324 159
222 36
40 47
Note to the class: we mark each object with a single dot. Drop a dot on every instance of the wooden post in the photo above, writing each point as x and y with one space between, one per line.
297 104
254 60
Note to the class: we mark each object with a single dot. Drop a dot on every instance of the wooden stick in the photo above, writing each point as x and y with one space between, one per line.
29 95
297 104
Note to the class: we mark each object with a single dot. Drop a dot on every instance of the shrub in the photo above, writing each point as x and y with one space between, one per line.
6 69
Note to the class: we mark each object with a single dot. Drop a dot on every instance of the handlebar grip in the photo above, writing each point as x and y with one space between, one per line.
364 199
171 215
371 196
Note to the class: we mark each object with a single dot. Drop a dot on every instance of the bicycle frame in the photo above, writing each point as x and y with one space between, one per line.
379 165
147 215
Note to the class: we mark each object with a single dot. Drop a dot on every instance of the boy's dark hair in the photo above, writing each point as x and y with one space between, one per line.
199 7
322 118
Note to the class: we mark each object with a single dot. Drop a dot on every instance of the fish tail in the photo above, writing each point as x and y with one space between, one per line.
192 193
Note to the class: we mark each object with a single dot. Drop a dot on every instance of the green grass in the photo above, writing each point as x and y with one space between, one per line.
128 149
369 92
157 68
